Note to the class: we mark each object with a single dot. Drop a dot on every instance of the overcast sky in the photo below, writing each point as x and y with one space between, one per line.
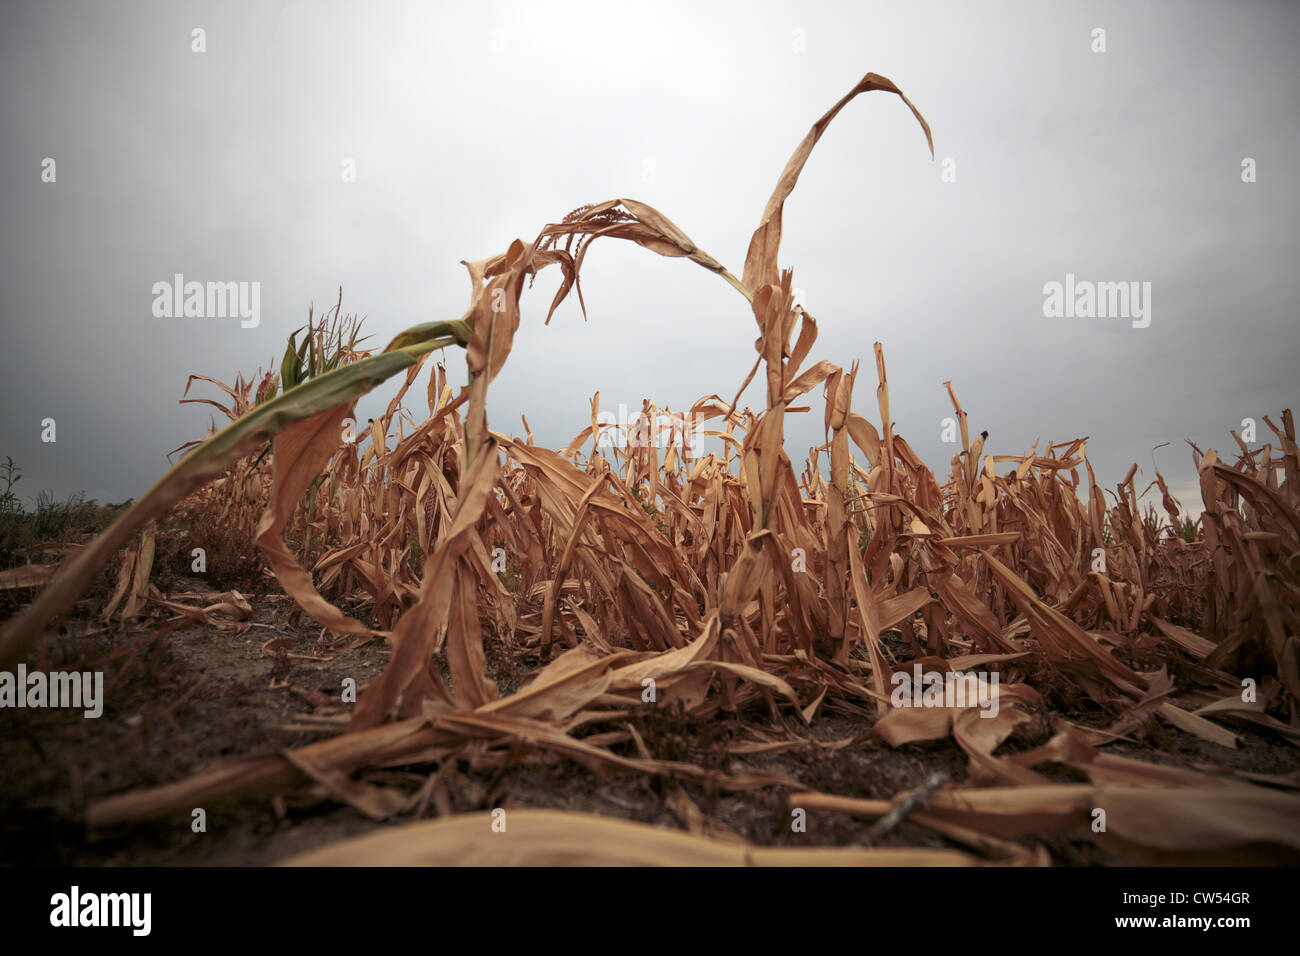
473 124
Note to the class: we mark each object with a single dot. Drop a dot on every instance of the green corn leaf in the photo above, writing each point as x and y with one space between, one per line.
289 365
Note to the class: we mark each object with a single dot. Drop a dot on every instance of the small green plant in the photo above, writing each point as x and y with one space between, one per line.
10 475
1180 526
1185 528
1152 522
12 523
648 507
328 344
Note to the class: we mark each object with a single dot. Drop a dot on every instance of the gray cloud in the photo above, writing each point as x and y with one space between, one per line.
473 125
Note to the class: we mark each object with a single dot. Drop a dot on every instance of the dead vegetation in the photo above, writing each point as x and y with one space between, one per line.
693 609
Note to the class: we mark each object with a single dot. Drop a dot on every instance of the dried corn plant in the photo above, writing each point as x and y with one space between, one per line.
736 585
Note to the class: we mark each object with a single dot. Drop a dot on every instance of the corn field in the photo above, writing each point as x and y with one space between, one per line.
737 586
